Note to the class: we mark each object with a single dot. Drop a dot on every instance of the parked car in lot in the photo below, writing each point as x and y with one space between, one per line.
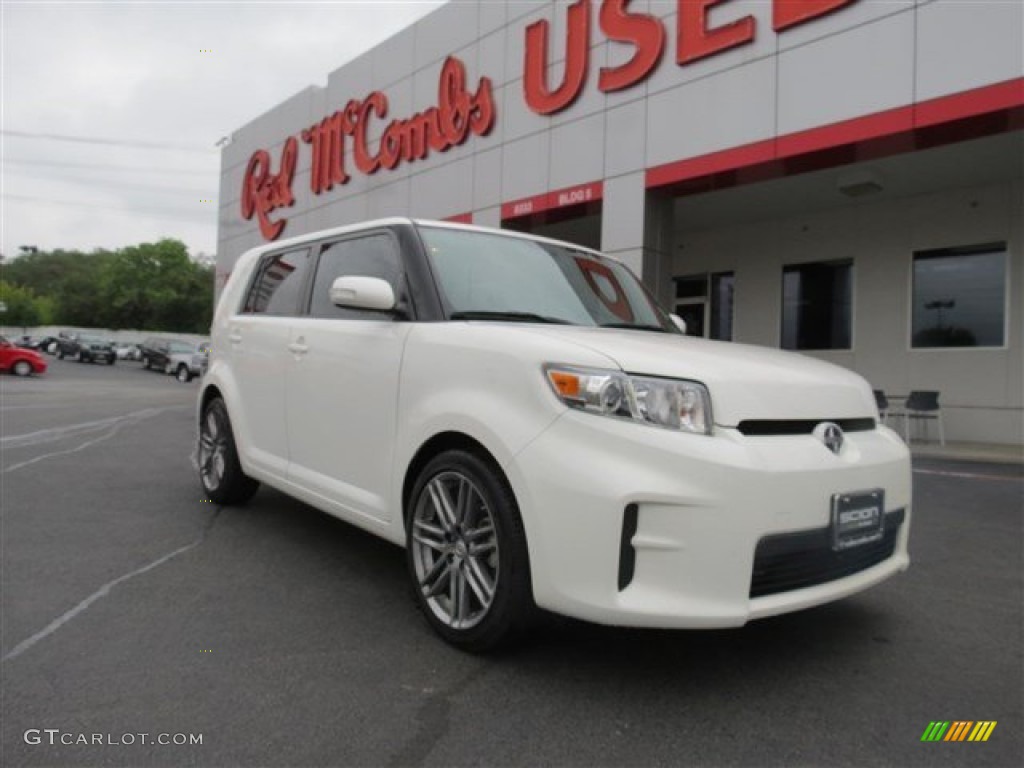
522 417
127 350
156 352
186 364
19 360
86 348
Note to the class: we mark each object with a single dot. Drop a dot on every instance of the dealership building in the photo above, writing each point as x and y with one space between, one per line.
843 178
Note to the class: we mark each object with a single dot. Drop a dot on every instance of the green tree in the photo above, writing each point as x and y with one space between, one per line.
21 306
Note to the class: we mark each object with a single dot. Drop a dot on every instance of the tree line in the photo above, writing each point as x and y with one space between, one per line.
151 286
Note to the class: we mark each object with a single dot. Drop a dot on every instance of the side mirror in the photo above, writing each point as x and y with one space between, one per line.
680 323
363 293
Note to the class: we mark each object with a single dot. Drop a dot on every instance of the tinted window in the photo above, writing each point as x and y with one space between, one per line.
960 297
371 256
816 305
278 284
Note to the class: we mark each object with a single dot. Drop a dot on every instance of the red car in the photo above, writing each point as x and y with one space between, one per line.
21 362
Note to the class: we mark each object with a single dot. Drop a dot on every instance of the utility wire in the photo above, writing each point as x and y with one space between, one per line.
109 142
163 213
112 183
104 167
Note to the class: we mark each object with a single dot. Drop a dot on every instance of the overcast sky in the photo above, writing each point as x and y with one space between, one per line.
138 72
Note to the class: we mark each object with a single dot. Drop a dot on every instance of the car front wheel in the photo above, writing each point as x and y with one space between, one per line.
184 375
467 555
219 469
22 368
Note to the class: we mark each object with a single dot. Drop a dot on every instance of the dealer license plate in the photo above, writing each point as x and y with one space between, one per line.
857 518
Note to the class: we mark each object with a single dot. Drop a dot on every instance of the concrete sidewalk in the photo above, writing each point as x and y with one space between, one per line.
979 452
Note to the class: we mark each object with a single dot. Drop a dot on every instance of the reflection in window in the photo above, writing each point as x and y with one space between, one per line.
277 286
816 302
960 297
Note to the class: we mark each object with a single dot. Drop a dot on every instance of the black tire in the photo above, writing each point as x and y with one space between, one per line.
230 485
183 374
22 368
60 354
491 513
111 361
145 363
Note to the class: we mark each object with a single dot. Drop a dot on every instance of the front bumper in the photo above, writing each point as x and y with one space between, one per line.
702 504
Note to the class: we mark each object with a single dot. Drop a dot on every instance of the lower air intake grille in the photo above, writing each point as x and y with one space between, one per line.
797 560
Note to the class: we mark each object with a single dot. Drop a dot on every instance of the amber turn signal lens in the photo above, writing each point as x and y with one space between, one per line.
566 384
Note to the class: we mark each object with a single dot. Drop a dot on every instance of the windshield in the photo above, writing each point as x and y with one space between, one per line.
180 346
492 276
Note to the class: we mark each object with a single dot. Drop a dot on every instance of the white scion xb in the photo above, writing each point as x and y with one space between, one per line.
522 417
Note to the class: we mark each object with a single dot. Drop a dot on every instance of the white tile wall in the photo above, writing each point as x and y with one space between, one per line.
622 214
487 178
525 165
450 27
625 138
866 70
575 152
737 107
443 191
964 45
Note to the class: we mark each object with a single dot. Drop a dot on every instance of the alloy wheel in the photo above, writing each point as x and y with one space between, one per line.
455 550
213 447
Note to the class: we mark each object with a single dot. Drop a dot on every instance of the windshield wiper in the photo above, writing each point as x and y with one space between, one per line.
523 317
636 327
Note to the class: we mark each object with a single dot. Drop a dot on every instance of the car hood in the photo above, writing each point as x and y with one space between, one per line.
746 382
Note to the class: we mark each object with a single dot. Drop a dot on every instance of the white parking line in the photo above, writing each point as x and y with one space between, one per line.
59 433
103 591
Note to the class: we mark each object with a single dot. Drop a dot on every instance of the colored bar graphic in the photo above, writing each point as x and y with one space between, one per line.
935 730
958 730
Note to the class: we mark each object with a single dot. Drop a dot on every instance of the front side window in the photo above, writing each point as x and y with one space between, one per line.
375 255
816 301
486 275
278 284
960 297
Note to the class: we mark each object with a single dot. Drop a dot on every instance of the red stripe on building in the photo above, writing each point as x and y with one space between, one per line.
886 125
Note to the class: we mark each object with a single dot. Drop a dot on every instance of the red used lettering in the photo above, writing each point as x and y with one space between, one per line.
696 40
789 13
641 30
539 97
263 191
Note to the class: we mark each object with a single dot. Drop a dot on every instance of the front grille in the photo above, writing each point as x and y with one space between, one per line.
764 427
796 560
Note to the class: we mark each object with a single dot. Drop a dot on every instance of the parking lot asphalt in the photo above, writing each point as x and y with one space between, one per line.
284 637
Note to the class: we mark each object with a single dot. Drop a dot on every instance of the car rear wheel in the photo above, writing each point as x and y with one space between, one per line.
219 469
111 360
467 555
60 354
22 368
184 375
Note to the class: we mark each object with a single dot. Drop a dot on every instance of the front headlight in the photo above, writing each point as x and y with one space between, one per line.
668 403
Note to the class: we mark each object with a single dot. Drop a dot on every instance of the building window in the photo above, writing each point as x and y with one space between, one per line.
960 297
705 303
816 300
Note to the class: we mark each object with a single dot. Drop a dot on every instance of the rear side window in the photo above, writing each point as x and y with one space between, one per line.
278 284
375 255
